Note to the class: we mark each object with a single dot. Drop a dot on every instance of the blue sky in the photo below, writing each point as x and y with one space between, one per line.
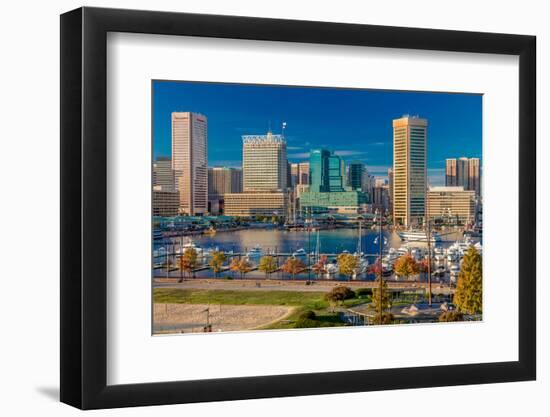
355 123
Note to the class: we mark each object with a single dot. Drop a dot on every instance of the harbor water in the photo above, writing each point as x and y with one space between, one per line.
285 243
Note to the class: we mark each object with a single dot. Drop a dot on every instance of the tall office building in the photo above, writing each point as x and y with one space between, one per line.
222 181
163 175
326 190
318 170
450 172
190 160
463 172
356 170
165 203
380 198
266 174
390 189
409 170
474 177
303 173
326 171
264 163
299 174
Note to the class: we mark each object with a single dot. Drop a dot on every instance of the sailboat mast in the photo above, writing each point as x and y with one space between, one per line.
359 248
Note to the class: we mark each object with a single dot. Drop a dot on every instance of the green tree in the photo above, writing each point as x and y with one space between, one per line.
347 264
338 294
268 264
452 315
217 261
468 296
381 304
293 266
188 261
406 266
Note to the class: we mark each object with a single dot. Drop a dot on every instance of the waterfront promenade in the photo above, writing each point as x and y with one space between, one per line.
293 285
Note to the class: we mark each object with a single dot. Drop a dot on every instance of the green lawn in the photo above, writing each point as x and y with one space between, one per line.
302 300
311 300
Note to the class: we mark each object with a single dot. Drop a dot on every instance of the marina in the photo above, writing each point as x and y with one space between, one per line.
309 246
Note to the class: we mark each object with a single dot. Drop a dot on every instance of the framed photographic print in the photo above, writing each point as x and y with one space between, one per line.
258 208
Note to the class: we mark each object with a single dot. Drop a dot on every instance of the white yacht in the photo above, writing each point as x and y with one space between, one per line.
331 269
254 252
299 252
455 271
418 236
191 245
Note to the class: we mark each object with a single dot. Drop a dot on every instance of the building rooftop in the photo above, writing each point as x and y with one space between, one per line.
447 189
261 139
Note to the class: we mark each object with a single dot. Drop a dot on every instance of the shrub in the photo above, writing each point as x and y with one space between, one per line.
307 315
453 315
305 324
363 292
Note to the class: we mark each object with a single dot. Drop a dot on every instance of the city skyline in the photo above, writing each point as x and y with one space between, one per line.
361 130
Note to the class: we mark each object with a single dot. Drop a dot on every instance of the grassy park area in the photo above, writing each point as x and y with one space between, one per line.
310 309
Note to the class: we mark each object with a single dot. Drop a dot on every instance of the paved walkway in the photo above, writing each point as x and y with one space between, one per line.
279 285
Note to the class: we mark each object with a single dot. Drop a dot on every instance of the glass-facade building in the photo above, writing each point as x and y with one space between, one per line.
356 171
326 189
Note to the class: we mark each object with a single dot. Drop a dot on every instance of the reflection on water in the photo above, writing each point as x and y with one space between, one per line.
332 241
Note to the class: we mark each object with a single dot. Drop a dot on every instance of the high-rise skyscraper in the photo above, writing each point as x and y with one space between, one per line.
265 178
390 189
299 173
326 171
163 175
190 160
318 170
409 170
222 181
264 163
356 170
463 172
450 172
326 190
474 177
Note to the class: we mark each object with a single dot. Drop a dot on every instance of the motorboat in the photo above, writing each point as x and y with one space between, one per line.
455 271
418 236
299 252
159 252
191 245
254 252
331 269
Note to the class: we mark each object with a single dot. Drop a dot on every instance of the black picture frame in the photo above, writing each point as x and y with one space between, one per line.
84 207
